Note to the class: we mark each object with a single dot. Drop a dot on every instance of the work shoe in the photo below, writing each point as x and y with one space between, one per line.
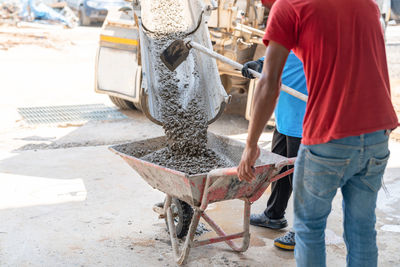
285 242
263 221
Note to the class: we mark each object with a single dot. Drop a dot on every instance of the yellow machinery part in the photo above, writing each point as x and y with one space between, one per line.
118 40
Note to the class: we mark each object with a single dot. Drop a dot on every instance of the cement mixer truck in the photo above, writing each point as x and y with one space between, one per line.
232 28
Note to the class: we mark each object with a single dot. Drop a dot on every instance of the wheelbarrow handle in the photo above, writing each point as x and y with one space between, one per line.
233 171
280 165
220 174
285 162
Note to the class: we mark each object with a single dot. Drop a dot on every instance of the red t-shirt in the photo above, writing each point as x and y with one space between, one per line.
342 47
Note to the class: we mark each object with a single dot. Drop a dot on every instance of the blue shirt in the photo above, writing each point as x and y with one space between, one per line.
289 112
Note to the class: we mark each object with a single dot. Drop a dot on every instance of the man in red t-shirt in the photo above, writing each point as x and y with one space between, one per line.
348 118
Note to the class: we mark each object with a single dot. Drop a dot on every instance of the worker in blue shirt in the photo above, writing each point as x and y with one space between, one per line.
289 114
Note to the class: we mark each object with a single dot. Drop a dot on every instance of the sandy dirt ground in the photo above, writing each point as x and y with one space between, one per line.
66 200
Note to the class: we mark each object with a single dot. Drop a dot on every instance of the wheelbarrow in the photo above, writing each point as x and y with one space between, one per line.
200 190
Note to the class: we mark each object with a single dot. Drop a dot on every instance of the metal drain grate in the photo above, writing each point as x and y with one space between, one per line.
69 114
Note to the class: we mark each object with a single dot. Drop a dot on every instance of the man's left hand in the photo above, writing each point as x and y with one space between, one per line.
256 65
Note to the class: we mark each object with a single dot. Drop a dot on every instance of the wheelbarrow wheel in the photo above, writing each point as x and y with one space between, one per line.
183 214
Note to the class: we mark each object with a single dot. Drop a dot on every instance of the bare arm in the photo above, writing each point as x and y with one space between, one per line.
264 100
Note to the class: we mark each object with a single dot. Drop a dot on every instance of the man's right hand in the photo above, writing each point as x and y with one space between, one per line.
246 166
256 65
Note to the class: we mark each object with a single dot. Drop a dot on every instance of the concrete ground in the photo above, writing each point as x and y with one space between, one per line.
66 200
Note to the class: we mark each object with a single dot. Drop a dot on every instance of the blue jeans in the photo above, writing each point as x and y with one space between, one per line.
355 165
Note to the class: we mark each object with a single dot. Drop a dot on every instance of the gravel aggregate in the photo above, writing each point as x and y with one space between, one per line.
183 115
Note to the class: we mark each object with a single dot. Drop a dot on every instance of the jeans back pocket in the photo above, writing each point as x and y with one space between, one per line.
323 175
375 169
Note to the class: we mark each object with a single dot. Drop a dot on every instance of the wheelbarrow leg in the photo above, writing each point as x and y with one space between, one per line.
180 256
246 228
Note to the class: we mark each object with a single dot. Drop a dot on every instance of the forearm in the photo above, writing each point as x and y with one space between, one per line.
263 105
264 101
267 91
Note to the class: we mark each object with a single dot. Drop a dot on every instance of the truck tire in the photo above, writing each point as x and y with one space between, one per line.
83 19
183 214
122 103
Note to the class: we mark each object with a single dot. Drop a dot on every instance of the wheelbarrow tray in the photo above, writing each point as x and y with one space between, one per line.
199 190
189 188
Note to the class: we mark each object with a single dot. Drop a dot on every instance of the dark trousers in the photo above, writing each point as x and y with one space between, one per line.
281 190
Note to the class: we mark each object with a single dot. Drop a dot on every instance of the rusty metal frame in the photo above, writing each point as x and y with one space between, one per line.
213 180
